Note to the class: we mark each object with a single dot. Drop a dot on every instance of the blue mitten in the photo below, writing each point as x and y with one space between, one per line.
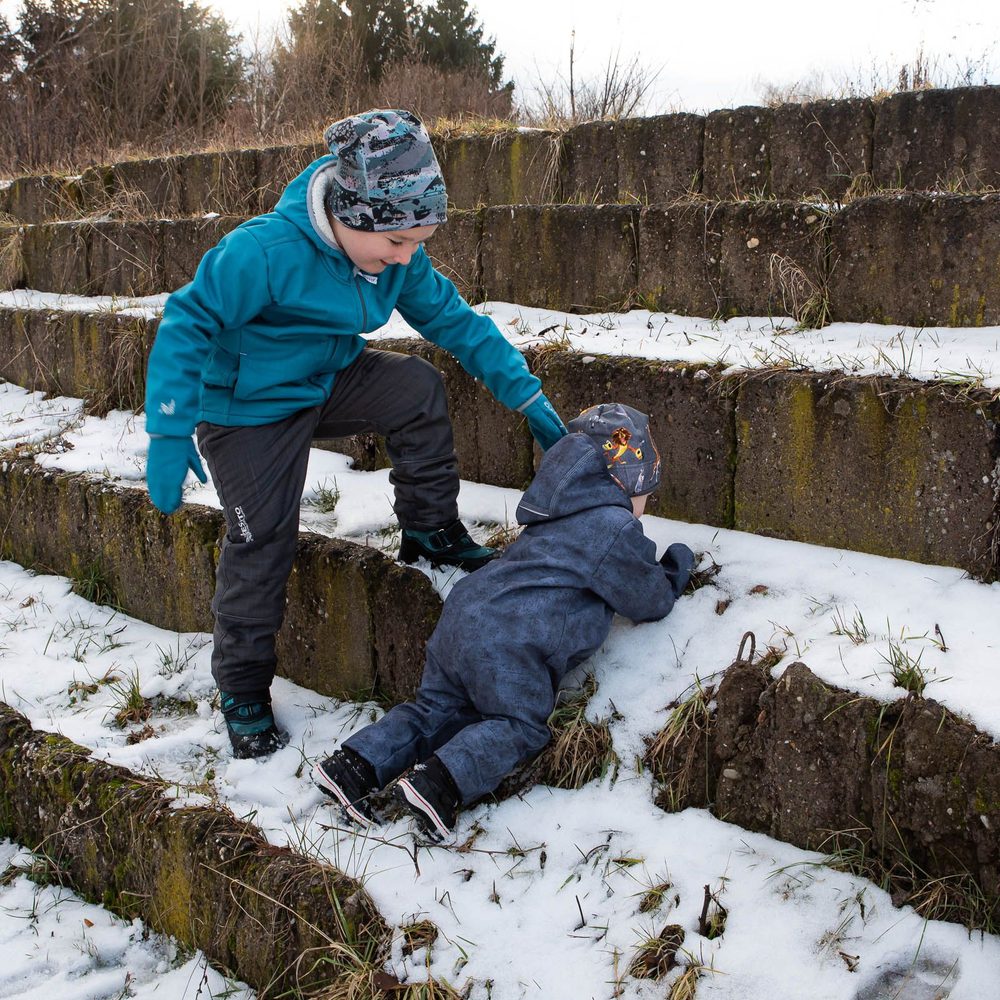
546 427
677 563
167 467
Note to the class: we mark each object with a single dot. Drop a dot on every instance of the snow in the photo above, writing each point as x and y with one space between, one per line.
55 944
146 307
958 355
539 895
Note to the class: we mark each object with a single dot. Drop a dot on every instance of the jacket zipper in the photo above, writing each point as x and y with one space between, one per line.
361 298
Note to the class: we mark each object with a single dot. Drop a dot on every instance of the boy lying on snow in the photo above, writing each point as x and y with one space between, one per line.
511 632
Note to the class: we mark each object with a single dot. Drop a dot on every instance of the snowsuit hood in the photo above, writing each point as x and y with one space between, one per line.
573 478
547 603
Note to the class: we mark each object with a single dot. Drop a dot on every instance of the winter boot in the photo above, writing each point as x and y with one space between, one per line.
348 779
430 795
251 726
448 546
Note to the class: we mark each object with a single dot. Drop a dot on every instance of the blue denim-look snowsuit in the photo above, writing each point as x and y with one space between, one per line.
510 632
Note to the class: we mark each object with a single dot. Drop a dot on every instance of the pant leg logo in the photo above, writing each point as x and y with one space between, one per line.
244 525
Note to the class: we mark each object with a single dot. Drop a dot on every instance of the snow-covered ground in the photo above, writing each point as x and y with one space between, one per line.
56 945
544 895
964 355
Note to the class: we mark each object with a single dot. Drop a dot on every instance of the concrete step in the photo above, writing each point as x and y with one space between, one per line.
198 874
924 140
919 260
355 623
896 467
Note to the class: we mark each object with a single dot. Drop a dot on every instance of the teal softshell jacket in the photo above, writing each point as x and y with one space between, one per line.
276 309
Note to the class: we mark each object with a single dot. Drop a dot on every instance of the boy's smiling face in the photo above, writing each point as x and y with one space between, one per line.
374 252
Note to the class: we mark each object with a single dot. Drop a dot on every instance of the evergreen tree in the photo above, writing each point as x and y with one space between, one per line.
450 38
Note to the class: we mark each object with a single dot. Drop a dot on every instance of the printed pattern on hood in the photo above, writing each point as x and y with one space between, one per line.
276 309
549 600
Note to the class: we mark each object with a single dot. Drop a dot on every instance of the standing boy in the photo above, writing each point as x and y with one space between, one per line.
511 632
262 352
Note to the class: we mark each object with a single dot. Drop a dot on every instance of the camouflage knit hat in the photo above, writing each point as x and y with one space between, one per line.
622 434
386 176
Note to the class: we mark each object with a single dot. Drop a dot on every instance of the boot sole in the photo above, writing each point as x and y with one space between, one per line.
424 812
331 788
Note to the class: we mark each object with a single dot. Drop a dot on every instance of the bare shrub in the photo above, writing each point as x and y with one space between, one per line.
923 72
619 92
433 93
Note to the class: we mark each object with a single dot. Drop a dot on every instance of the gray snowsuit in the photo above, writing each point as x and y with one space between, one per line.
510 632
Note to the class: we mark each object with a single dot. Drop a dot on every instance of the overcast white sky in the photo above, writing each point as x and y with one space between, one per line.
715 53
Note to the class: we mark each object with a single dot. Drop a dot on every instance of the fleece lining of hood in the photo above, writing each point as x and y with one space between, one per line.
319 184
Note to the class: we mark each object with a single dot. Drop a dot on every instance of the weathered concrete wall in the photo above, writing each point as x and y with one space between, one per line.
922 140
97 357
913 259
918 260
513 167
892 466
574 257
938 140
899 468
198 874
819 148
343 634
800 760
114 258
737 158
692 414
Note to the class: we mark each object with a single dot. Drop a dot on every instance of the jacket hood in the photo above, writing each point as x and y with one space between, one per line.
302 205
571 478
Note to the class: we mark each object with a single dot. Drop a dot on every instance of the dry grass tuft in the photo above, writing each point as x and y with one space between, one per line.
675 753
656 956
801 297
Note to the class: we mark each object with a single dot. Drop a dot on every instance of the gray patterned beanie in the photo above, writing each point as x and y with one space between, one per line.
622 435
386 175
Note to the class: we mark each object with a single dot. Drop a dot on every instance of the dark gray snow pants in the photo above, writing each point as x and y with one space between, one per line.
259 473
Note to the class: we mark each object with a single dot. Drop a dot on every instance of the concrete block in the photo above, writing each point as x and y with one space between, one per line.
938 140
578 258
773 253
150 187
98 357
903 469
219 182
276 167
195 873
918 260
514 167
331 640
737 157
454 251
125 258
43 197
680 259
691 416
659 158
56 257
463 162
185 242
818 148
589 168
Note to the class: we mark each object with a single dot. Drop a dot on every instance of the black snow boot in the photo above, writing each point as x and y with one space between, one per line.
251 726
451 545
349 780
430 795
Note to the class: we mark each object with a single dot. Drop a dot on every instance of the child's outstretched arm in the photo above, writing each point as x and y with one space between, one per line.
633 583
229 288
430 303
